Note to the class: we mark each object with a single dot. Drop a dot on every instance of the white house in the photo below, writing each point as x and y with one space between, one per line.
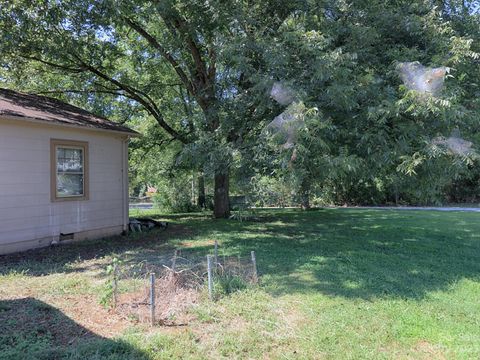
63 173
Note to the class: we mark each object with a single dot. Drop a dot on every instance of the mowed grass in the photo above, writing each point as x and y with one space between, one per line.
335 284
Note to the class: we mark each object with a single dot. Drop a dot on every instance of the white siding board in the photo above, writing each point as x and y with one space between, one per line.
11 200
67 209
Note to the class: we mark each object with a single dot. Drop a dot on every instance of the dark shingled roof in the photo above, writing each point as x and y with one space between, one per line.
42 108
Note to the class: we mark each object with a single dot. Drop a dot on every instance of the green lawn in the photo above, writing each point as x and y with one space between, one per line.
340 283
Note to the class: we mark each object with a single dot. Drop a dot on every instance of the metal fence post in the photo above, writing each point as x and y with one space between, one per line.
254 264
115 286
210 277
152 298
174 261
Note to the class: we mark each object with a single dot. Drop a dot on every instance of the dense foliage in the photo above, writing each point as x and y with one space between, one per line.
195 78
368 138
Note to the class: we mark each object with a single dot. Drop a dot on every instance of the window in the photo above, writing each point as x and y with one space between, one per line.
69 170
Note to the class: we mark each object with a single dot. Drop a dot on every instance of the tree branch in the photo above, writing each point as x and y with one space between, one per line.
57 66
127 91
147 102
147 149
194 49
154 43
212 68
82 92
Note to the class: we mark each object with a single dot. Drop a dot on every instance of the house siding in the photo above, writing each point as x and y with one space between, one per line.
28 217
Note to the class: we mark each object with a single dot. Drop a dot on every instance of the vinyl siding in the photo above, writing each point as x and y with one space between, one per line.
26 210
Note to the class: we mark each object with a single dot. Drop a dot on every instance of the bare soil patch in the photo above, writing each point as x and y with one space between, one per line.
63 321
175 294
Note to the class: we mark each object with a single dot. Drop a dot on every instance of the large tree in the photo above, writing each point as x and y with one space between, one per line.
146 55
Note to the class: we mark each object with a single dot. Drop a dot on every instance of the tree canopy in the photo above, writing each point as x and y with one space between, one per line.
195 77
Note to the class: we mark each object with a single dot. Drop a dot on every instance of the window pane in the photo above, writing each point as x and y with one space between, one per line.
69 185
69 160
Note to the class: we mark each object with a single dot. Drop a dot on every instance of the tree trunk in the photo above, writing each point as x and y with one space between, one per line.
201 191
305 195
221 199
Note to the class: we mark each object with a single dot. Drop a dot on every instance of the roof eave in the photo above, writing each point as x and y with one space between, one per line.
130 133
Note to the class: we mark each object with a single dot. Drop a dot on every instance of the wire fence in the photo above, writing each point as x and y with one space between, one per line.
165 293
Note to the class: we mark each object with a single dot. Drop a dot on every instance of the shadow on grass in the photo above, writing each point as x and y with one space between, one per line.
70 257
353 253
342 252
32 329
364 254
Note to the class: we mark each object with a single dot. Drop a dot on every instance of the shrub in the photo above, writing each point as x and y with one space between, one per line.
174 197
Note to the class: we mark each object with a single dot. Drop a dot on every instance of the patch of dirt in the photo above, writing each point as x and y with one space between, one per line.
196 243
32 318
86 311
422 350
429 350
175 295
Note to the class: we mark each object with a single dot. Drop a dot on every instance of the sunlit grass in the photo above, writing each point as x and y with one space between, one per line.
346 284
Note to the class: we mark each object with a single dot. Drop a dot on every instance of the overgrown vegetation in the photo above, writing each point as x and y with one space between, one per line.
363 284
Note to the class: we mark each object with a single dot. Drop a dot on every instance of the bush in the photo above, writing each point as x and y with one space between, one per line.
174 197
